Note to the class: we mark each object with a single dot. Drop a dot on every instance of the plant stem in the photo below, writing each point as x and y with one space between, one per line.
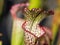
17 33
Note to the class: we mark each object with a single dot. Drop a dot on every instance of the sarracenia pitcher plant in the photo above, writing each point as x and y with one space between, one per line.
27 31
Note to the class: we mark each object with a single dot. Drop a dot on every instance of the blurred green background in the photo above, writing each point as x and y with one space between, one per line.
6 19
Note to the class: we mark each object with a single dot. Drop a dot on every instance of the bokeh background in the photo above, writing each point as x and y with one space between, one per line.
6 19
